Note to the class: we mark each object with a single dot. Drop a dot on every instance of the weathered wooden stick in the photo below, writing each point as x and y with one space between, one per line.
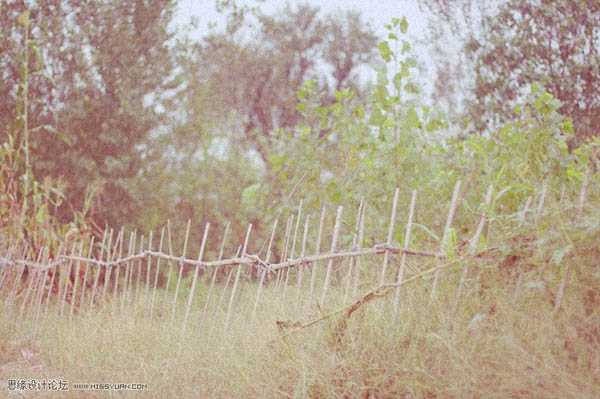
76 283
263 272
402 267
85 274
97 277
313 274
32 278
361 234
446 235
160 245
40 297
170 266
148 266
540 207
66 282
354 247
137 294
336 231
237 279
107 272
119 266
59 252
195 279
474 242
185 243
285 249
523 215
390 236
215 272
126 291
301 267
286 257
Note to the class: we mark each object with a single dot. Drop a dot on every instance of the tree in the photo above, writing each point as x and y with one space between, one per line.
257 79
555 43
98 72
509 45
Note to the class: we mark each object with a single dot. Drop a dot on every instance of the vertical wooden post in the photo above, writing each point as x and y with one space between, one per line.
401 268
361 235
390 236
313 274
58 256
185 243
33 277
237 279
169 264
160 246
300 270
126 290
540 207
148 267
286 251
336 231
98 268
85 275
264 271
473 245
446 235
195 279
355 246
112 254
215 272
75 283
66 282
138 263
121 238
523 215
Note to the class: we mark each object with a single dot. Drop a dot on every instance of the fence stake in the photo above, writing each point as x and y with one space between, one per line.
361 234
97 276
264 271
215 272
402 267
445 237
75 282
355 246
108 269
390 236
300 271
317 252
473 245
237 279
148 266
85 275
66 281
185 243
160 246
336 231
195 279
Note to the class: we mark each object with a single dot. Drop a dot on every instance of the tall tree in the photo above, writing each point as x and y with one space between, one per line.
555 43
99 69
518 43
255 72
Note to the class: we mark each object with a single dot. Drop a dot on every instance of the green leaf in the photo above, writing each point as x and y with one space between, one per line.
384 50
250 195
404 25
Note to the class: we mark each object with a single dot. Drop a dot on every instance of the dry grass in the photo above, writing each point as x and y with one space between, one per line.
494 345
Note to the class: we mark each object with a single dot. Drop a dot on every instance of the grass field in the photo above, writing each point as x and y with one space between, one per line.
503 339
